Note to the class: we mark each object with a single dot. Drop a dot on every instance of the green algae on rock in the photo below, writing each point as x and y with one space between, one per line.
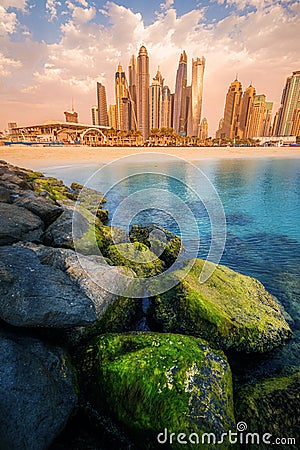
162 242
151 382
271 406
137 257
230 310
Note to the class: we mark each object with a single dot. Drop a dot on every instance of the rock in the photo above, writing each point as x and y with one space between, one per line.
39 206
60 232
114 312
162 242
230 310
35 295
136 256
153 382
18 224
37 393
271 406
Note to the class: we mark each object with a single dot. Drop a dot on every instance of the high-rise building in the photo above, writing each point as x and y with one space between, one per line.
274 124
166 108
94 111
102 105
194 120
172 98
203 129
245 108
71 116
296 121
289 100
220 128
112 117
267 126
155 104
231 110
121 93
179 114
132 70
143 91
259 122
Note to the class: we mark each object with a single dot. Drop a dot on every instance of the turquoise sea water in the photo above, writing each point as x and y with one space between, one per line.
261 200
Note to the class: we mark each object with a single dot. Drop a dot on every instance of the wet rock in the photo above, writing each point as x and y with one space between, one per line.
271 406
154 382
37 393
230 310
163 243
35 295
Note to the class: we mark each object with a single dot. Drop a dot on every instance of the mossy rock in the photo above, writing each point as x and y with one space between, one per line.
271 406
230 310
136 256
150 382
162 242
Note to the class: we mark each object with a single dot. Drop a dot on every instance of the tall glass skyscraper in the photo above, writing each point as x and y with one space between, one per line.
121 95
143 84
132 71
179 113
102 105
194 120
289 101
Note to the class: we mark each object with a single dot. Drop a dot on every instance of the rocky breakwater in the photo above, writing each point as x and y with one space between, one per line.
77 369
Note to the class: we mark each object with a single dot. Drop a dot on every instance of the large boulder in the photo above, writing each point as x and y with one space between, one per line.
36 295
271 406
116 311
230 310
18 224
162 242
157 384
37 393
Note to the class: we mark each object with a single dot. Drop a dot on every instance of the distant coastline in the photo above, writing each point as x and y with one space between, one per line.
36 157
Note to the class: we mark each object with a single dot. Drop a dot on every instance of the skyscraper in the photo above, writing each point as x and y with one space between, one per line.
143 91
231 110
179 114
296 121
245 108
289 100
166 108
102 105
155 104
132 70
194 120
120 93
259 122
204 129
112 117
95 118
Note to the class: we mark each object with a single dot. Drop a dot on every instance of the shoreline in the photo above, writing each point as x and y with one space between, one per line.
37 157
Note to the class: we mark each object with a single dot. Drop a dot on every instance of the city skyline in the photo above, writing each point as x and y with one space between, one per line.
60 52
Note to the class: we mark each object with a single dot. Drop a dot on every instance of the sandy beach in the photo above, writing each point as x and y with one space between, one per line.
37 157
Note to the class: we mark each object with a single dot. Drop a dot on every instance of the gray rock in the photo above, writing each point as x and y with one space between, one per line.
37 393
39 206
35 295
59 233
78 271
18 224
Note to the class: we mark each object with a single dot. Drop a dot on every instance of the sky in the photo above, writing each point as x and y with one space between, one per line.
54 51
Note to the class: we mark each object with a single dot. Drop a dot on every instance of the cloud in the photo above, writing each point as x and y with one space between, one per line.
83 15
18 4
8 22
7 65
51 7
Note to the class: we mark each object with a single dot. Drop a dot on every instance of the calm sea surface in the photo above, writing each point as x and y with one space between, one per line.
261 201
